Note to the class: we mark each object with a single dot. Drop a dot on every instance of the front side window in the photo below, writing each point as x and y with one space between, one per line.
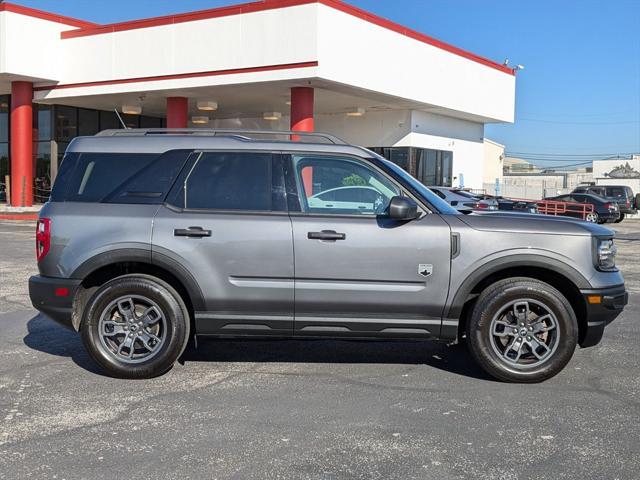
342 186
228 181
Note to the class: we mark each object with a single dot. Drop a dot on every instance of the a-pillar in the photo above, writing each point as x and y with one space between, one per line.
177 112
302 121
21 144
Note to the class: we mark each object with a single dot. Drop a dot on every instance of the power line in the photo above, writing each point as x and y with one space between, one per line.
557 122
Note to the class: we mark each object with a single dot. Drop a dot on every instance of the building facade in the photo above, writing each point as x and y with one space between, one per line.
275 64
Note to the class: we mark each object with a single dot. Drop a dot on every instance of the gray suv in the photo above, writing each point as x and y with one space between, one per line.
152 237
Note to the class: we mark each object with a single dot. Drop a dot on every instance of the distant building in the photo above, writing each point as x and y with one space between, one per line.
493 164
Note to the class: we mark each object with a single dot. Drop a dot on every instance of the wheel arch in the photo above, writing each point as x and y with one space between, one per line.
109 265
561 276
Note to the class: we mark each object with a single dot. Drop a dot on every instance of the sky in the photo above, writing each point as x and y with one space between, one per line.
578 97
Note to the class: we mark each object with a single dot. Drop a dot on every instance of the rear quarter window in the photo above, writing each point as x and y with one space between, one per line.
117 177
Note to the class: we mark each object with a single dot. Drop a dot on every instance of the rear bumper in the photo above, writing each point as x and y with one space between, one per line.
54 297
599 315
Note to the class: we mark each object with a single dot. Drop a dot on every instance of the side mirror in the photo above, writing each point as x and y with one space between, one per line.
403 208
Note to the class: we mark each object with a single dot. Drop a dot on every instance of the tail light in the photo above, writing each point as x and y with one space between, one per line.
608 206
628 203
43 238
482 205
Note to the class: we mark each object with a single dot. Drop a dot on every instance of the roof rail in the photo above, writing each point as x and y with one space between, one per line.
247 135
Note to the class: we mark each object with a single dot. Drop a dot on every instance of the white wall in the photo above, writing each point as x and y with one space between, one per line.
30 47
357 52
493 162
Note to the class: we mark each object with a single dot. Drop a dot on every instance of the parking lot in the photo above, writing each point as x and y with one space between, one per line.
314 409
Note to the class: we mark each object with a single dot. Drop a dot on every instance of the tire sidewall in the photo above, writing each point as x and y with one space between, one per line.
170 304
489 305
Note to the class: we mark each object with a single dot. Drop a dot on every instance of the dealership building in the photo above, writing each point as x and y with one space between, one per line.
307 65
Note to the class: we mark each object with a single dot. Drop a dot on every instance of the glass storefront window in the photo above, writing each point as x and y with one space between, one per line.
88 122
109 120
4 118
66 120
42 121
4 170
150 122
431 167
42 172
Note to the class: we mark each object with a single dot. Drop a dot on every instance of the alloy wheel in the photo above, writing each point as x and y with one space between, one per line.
132 329
524 333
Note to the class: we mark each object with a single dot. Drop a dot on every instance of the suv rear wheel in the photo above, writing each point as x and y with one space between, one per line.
620 218
135 326
522 330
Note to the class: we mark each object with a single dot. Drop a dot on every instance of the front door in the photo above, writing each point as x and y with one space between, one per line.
359 273
226 222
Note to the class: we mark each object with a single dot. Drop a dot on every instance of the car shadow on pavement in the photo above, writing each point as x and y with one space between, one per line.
44 335
453 359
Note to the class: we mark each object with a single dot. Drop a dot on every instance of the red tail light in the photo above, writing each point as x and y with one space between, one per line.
628 203
482 205
43 238
609 206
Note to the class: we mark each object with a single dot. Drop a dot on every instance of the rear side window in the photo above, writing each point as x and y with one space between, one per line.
227 181
616 192
117 177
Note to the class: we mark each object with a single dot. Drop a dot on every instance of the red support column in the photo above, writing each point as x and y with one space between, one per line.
21 144
177 112
302 121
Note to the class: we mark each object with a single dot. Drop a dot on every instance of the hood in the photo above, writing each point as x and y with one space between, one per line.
532 223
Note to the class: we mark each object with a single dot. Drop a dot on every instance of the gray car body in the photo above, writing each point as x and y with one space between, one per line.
259 274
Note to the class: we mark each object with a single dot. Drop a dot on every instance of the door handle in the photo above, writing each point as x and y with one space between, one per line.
326 235
195 232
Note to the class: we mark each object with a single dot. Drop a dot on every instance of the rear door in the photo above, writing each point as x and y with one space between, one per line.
226 222
358 273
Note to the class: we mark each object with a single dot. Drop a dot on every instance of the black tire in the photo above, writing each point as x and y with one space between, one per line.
175 321
498 297
620 218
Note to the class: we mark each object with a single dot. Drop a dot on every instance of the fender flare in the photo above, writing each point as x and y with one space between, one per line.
454 309
145 255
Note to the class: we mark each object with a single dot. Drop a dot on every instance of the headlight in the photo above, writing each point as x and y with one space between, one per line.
606 255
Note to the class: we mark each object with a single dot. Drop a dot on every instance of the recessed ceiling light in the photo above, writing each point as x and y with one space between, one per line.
132 109
207 105
199 120
272 115
356 112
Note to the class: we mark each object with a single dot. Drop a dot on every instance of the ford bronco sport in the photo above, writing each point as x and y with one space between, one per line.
153 236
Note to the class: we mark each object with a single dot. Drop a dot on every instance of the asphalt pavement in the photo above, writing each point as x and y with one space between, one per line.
312 409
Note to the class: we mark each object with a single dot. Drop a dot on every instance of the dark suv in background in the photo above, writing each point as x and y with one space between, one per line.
621 194
151 237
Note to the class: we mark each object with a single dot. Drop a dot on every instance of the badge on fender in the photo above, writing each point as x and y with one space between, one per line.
425 269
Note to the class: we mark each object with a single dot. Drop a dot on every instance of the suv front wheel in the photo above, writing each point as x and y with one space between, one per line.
135 326
522 330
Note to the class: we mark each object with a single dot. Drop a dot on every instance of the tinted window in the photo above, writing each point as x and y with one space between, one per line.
342 186
615 191
151 184
227 181
97 175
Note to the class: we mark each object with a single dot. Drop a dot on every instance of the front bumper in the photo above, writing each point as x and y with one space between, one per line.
54 297
599 315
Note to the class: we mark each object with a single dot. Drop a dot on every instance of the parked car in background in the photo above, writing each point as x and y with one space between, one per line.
464 201
604 210
520 206
621 194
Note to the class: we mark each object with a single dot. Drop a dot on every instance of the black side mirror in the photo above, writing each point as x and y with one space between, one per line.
403 208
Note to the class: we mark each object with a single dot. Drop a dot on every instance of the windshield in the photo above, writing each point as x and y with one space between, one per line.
440 205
